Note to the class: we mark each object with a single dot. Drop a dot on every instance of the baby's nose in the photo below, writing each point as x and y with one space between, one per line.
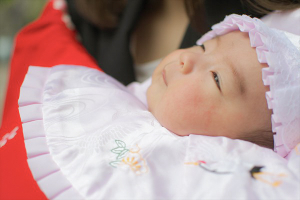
187 61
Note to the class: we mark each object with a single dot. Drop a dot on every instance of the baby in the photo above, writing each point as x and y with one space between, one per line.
215 88
218 92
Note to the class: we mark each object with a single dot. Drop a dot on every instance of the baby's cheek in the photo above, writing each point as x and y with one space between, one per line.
208 116
189 113
203 112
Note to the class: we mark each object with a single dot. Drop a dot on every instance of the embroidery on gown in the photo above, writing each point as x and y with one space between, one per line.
297 149
273 179
210 168
129 157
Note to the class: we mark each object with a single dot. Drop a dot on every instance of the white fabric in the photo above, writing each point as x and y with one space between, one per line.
139 90
288 20
96 140
145 70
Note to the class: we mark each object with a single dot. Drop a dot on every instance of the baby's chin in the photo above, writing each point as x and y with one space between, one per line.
177 132
182 129
175 128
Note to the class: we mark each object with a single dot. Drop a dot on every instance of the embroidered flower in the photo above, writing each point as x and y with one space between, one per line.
131 158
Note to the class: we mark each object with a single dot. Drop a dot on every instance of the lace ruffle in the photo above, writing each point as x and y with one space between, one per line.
44 170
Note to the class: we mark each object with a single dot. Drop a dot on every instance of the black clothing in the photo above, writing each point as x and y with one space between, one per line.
111 47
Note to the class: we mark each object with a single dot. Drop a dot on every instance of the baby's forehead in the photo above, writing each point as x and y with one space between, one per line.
239 62
236 49
238 38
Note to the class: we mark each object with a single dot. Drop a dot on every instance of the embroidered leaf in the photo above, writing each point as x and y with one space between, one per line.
120 143
117 150
122 154
114 163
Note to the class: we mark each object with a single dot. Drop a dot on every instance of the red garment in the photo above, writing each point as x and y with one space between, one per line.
45 42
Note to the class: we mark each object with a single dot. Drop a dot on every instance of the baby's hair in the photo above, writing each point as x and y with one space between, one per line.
262 138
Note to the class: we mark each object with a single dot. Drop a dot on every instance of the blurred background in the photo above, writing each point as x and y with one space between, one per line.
14 14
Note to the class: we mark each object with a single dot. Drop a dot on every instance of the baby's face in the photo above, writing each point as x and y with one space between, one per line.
216 90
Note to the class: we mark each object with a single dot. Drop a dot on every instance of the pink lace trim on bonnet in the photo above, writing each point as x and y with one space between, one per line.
279 50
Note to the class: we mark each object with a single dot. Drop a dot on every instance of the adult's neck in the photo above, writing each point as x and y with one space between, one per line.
159 31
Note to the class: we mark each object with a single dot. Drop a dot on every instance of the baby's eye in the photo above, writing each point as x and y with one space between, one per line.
201 45
216 78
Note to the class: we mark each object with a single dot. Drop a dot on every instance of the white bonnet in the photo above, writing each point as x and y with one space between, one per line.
281 51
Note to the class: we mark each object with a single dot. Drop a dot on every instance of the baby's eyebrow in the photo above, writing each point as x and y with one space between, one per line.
239 79
237 76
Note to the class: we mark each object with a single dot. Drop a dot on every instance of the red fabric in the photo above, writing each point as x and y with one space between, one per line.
45 42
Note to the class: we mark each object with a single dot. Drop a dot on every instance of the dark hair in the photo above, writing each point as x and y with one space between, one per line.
106 13
265 6
262 138
102 13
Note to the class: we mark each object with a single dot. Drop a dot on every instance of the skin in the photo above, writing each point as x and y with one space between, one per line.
216 92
